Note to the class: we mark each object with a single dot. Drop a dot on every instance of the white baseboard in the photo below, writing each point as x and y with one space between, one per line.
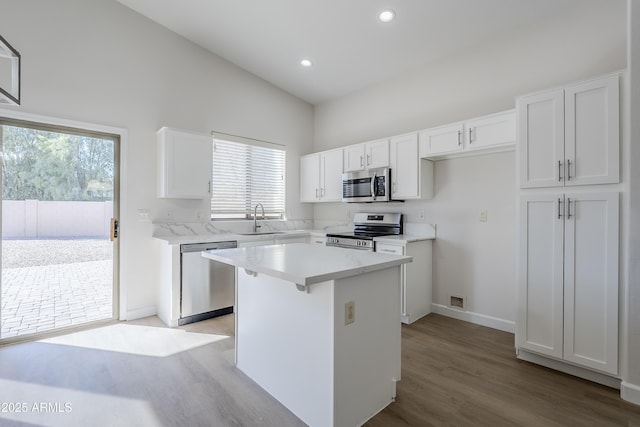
567 368
139 313
478 319
630 392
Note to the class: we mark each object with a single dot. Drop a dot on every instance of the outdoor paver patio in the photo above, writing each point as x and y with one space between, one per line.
43 297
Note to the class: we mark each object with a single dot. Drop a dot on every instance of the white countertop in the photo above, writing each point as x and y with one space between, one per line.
404 238
185 233
306 264
225 237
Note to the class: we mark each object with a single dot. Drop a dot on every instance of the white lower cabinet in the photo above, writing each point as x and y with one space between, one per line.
416 288
568 278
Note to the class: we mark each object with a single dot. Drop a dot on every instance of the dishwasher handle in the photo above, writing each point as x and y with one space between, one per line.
199 247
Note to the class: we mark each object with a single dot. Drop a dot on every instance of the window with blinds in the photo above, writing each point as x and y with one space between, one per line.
245 175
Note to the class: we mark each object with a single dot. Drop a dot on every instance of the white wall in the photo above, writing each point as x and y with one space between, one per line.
631 378
99 62
470 257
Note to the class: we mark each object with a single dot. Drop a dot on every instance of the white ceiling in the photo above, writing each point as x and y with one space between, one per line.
350 48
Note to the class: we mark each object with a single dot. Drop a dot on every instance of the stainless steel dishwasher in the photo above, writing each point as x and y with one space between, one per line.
207 288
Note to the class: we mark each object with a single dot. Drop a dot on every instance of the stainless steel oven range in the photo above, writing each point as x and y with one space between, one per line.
366 227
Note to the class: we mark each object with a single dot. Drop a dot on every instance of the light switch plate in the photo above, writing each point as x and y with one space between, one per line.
349 312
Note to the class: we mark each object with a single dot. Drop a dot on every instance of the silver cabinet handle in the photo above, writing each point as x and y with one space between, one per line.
568 170
361 161
317 193
559 171
559 208
569 208
459 138
368 159
470 136
322 192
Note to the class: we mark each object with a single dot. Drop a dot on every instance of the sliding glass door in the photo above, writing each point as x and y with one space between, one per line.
59 202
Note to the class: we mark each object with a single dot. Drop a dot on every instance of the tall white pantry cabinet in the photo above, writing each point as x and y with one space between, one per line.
569 213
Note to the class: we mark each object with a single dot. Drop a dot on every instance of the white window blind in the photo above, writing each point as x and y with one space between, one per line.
245 175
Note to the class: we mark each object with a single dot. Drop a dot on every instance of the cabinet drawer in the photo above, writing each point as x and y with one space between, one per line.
386 248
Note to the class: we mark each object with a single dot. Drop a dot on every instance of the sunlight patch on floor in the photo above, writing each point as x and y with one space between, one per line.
42 405
137 339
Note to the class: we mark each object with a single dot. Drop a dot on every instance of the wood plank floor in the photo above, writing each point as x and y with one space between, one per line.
454 374
457 373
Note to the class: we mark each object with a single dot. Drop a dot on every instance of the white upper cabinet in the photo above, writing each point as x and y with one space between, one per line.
541 139
185 162
442 140
592 132
354 158
377 153
368 155
411 177
310 178
321 177
570 136
331 175
491 131
495 132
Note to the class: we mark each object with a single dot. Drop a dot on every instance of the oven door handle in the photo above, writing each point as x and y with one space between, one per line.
373 186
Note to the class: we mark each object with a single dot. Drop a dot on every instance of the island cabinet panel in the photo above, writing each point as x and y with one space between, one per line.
302 348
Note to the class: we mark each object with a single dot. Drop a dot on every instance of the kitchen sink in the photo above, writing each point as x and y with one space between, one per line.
261 233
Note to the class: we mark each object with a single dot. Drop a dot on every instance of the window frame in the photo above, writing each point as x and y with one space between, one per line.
249 200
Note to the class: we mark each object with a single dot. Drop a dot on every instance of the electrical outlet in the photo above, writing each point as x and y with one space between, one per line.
421 214
199 215
483 215
349 312
169 215
144 215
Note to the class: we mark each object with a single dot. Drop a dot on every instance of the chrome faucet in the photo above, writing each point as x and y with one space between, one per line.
255 217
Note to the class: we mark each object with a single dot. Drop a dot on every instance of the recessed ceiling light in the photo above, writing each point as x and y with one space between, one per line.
306 63
386 15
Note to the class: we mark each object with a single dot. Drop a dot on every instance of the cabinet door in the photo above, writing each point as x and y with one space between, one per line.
540 275
309 178
184 164
331 176
441 140
541 139
592 139
591 280
377 154
494 130
354 158
404 162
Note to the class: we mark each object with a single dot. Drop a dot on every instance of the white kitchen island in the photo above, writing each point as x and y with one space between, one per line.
319 328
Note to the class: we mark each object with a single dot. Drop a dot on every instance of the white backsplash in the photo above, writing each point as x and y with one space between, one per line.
225 227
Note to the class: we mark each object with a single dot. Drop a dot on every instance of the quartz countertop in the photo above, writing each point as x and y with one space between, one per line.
404 238
305 264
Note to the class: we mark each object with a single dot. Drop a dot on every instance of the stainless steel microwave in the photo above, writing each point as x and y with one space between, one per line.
371 185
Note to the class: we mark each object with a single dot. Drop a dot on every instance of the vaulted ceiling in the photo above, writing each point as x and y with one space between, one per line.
349 47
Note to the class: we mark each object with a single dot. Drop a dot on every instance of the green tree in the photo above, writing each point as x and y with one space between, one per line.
45 165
